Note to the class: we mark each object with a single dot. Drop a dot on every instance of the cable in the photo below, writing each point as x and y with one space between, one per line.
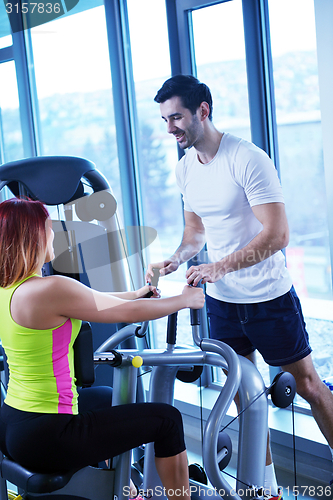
238 480
235 418
231 421
201 416
294 439
241 412
294 446
144 373
226 426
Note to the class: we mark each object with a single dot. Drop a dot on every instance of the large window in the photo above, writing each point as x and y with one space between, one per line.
162 206
302 168
300 145
10 126
220 63
74 90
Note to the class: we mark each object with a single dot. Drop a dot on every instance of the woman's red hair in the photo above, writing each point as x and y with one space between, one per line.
22 239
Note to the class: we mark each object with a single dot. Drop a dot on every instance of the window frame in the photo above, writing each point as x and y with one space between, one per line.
260 79
259 75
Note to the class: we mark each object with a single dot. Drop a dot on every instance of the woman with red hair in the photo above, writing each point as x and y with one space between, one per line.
40 319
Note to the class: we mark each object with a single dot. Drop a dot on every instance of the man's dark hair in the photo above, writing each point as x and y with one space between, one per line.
191 92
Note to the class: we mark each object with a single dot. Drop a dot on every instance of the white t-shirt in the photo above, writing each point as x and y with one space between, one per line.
222 193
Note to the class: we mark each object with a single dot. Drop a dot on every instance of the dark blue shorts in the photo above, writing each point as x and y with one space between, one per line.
276 328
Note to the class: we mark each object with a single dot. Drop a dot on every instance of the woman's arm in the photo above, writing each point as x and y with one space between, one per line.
65 297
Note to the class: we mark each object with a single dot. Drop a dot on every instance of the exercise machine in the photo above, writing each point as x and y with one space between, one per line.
76 240
242 377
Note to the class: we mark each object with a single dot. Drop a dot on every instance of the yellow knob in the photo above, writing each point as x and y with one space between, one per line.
137 361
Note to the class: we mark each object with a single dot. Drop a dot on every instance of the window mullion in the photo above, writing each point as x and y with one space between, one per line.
27 92
125 118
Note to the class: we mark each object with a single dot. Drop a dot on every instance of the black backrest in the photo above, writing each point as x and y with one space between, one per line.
54 180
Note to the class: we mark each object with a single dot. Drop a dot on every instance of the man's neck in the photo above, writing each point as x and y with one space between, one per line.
208 147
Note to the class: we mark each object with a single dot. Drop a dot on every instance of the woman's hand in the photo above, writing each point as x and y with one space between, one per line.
143 293
194 296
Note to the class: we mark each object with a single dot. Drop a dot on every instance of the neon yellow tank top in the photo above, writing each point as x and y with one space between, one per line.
41 363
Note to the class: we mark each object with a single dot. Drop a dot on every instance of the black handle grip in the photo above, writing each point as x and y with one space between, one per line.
172 328
195 316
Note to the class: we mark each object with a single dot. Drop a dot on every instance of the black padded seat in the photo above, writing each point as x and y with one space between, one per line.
33 482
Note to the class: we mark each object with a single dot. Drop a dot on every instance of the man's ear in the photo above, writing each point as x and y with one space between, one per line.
204 110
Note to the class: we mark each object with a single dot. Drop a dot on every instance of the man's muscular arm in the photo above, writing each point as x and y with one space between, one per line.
273 237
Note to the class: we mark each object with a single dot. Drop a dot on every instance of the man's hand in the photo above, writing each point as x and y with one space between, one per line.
192 242
166 267
207 273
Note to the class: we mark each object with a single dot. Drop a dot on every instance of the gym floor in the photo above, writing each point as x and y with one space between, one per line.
308 489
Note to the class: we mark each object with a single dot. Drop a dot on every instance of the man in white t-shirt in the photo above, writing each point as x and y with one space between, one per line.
233 202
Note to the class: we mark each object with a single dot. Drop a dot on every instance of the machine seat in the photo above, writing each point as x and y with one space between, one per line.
33 482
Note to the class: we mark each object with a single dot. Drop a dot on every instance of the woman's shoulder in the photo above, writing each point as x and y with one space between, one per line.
35 303
60 284
57 280
46 286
